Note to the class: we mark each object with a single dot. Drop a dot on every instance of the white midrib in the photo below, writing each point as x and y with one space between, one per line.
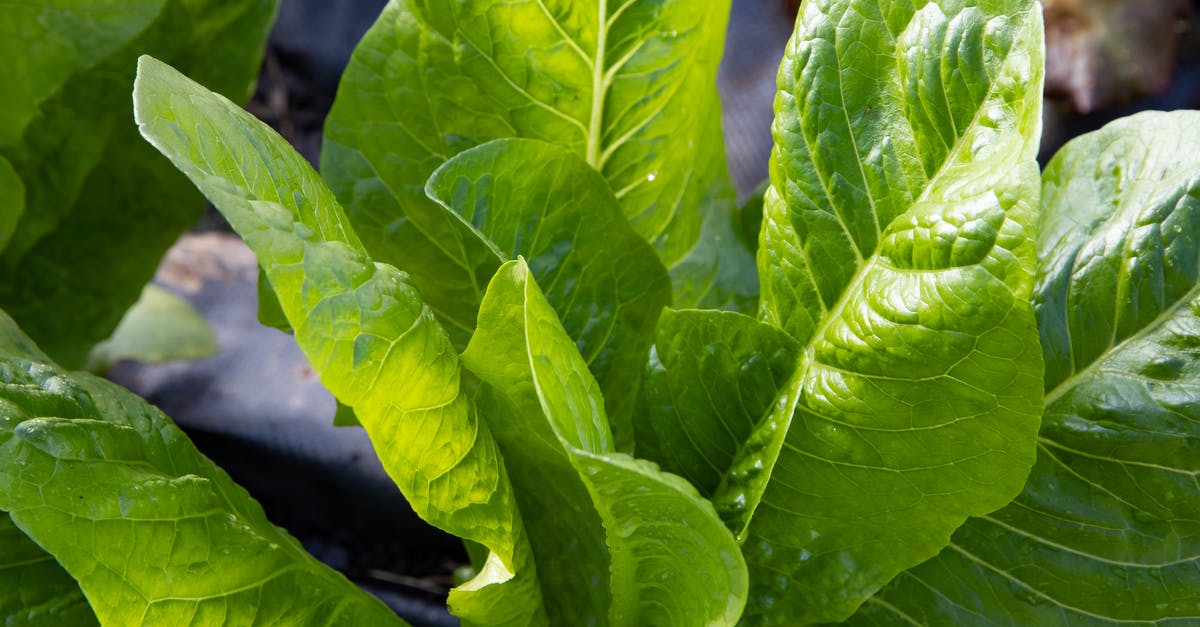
597 119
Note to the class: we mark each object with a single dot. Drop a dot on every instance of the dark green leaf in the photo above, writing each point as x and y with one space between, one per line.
45 43
92 185
712 377
12 201
34 590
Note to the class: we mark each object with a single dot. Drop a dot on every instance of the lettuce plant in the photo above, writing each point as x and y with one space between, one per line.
961 395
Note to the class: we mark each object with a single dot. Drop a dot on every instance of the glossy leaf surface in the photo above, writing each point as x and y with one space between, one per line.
153 532
628 544
1107 530
362 326
629 86
898 249
604 282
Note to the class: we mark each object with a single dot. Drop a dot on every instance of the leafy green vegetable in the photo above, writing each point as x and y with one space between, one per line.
153 532
91 184
34 589
712 376
628 86
605 283
45 43
1108 528
891 389
672 561
898 249
380 351
363 328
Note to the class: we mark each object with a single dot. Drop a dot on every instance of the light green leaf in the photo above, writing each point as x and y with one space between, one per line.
154 532
361 325
34 590
1107 530
604 282
669 560
628 86
92 185
712 377
898 249
160 327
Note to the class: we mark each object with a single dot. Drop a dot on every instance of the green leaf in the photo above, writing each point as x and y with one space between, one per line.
160 327
34 590
12 201
92 185
270 313
361 325
628 86
752 216
669 560
1107 530
898 249
153 531
712 376
45 43
604 282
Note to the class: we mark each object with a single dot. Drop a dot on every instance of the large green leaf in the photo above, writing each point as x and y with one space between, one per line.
34 590
154 532
711 378
605 283
363 327
91 184
1107 530
669 560
629 86
898 249
45 43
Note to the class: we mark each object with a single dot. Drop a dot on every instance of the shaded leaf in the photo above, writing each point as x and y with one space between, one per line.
712 377
34 590
160 327
91 184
